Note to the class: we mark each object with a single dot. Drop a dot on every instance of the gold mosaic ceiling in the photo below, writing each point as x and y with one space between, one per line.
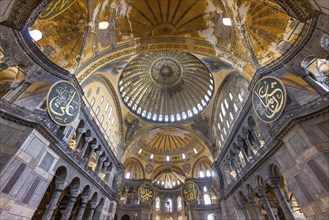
167 141
73 40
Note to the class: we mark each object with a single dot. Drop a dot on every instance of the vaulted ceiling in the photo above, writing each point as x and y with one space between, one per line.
163 59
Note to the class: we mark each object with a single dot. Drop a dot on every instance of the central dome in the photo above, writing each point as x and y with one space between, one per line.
166 86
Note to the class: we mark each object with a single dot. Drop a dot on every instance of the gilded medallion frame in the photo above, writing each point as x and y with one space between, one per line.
198 191
47 99
284 102
139 196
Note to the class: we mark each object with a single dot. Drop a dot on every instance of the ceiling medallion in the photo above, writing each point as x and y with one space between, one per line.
166 72
166 86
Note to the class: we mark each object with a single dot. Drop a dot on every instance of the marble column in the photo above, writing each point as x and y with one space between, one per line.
92 149
70 204
238 161
59 187
80 131
255 137
244 210
244 154
261 192
255 208
91 211
253 148
98 154
274 182
84 148
100 165
106 164
234 167
83 205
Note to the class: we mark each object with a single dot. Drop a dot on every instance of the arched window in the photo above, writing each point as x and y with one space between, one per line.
110 112
206 198
223 109
235 108
179 203
92 102
226 104
211 217
201 174
127 175
102 99
157 204
168 205
97 110
107 107
240 97
231 96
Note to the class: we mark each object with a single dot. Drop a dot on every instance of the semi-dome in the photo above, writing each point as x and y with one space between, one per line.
166 86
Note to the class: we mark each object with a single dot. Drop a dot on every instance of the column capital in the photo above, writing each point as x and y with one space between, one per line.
88 139
59 185
81 130
251 198
84 199
106 164
93 204
74 192
93 146
102 159
99 152
260 190
274 182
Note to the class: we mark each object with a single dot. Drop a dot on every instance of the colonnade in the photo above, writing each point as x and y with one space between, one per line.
69 201
268 200
92 154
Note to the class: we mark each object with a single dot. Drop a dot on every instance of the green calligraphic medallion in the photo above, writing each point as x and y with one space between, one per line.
63 103
190 192
146 193
269 98
54 8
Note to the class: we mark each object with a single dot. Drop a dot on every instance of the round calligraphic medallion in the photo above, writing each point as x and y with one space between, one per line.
190 192
146 193
269 98
63 103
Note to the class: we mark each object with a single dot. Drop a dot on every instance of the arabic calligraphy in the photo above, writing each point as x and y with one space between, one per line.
54 8
63 103
269 98
146 193
190 192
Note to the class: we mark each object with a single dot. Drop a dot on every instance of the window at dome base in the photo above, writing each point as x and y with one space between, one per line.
166 86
